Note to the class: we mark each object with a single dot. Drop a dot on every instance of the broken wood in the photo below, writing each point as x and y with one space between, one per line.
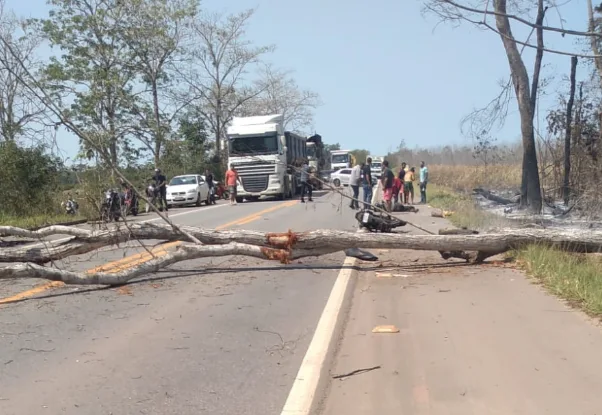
440 213
495 198
283 247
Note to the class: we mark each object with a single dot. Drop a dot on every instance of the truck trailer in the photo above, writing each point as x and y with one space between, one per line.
265 156
316 158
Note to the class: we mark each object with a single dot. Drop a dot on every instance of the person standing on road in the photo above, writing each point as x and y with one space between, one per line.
401 176
397 189
409 179
305 184
387 180
161 185
354 183
209 180
367 182
232 178
424 177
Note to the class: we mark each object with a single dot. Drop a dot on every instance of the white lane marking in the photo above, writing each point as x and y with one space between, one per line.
304 390
142 221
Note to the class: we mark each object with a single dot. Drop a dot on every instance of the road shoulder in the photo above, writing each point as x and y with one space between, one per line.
471 340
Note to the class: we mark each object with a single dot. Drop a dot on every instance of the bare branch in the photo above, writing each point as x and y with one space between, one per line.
521 20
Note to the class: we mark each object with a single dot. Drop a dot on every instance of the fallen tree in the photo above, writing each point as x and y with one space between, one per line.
282 247
495 198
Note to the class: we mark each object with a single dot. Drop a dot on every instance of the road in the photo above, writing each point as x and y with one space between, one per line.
471 341
219 336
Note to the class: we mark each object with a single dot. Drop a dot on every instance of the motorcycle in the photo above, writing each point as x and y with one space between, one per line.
71 206
221 191
110 209
152 193
130 202
212 194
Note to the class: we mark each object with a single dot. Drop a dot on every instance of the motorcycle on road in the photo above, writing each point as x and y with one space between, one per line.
110 209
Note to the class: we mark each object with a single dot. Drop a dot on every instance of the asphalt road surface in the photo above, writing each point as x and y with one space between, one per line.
219 336
472 341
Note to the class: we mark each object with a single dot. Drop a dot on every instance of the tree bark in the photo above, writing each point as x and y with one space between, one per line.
283 247
494 198
530 186
567 136
158 125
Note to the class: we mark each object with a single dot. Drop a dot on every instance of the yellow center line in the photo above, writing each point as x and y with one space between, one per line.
140 258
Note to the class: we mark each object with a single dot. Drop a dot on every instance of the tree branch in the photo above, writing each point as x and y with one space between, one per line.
523 21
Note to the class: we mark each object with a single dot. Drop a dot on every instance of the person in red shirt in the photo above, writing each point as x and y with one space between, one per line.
232 179
397 187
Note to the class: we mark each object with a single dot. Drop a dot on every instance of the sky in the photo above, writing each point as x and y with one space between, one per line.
385 71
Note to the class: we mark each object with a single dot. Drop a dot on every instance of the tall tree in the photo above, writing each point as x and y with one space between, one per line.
220 60
280 94
93 72
526 92
568 133
22 115
155 32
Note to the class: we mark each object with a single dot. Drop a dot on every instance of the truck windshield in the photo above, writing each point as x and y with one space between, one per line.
376 165
340 158
311 151
249 145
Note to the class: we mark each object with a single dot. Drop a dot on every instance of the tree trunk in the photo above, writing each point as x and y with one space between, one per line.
567 137
283 247
494 198
158 129
530 186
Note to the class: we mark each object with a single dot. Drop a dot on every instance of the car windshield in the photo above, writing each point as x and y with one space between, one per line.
340 158
180 180
253 145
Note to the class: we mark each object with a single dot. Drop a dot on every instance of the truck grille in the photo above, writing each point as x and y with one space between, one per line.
255 168
255 183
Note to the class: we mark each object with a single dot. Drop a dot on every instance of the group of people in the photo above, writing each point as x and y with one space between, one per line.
396 187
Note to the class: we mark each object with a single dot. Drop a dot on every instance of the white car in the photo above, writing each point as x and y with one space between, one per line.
189 189
340 177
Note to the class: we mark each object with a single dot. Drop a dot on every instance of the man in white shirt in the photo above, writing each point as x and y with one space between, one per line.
354 183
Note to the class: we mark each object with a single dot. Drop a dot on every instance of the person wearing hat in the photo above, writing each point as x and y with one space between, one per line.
161 184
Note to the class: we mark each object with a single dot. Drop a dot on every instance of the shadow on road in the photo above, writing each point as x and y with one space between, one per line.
183 273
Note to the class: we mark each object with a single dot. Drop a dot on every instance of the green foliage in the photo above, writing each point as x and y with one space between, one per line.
94 73
360 155
156 29
187 153
29 180
576 278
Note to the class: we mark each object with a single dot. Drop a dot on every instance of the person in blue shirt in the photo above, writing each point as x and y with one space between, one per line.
424 177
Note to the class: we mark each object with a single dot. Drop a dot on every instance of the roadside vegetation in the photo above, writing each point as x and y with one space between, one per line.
576 278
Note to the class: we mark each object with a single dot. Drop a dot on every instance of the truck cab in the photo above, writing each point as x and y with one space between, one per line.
341 159
265 156
377 166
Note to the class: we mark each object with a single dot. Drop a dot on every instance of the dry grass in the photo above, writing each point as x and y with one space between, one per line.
466 178
466 212
576 278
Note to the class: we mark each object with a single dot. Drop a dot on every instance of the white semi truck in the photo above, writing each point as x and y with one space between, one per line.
377 166
265 156
341 159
